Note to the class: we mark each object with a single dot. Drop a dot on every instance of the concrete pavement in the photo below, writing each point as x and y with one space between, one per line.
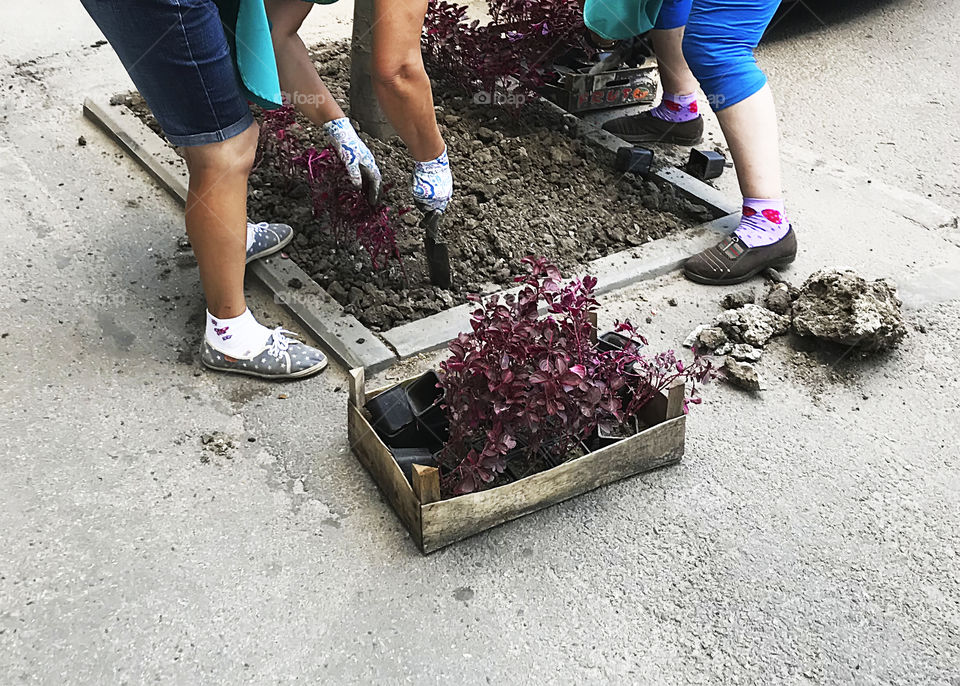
808 537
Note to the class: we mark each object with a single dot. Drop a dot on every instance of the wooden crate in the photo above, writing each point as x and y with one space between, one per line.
435 523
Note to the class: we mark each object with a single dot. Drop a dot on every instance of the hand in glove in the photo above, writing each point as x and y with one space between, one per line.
356 156
433 184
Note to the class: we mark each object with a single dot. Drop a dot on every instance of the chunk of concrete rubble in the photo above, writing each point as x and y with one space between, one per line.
778 299
745 353
732 301
752 324
743 375
711 338
845 308
706 337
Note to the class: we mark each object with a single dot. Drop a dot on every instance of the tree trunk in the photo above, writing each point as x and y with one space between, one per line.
364 108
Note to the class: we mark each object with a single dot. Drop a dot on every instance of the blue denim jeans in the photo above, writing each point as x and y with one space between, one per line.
718 44
177 55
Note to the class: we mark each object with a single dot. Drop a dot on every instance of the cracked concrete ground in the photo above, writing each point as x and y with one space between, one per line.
809 536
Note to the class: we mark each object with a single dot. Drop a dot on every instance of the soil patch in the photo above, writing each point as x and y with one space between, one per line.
522 186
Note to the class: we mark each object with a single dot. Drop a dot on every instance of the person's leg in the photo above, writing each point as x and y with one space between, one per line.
719 41
675 75
400 79
302 87
188 79
676 119
216 218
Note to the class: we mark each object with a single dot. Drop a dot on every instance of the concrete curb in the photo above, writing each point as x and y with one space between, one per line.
688 186
352 344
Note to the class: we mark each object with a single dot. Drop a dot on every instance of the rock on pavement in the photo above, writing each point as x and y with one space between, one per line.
845 308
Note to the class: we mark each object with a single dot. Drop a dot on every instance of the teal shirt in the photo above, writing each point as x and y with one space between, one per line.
621 19
247 29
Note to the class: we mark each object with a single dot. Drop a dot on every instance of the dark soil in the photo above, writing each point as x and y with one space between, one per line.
522 186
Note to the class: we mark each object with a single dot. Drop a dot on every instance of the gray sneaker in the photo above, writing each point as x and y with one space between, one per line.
267 239
283 358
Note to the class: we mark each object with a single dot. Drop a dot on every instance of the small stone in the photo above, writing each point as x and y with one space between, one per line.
711 338
361 341
752 324
451 119
774 275
745 353
298 488
337 291
183 242
692 338
672 302
778 299
356 295
81 141
282 396
295 283
742 375
732 301
206 439
559 155
486 135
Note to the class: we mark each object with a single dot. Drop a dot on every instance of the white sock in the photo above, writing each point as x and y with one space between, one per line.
250 236
242 338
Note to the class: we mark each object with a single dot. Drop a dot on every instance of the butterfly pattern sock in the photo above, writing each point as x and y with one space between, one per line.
763 222
677 108
242 337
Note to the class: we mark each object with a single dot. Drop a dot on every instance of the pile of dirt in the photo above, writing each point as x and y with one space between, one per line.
523 186
832 306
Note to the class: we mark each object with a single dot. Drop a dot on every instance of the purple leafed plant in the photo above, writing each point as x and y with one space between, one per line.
520 380
514 52
340 205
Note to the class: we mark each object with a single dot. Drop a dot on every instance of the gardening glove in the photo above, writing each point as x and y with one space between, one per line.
433 184
357 158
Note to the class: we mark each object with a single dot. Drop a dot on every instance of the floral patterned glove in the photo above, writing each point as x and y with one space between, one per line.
356 156
433 184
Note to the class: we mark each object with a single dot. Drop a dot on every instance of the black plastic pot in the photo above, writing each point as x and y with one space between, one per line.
549 453
612 340
407 457
423 397
392 418
705 164
601 438
634 159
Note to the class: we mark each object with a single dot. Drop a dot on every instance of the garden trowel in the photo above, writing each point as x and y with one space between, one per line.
438 256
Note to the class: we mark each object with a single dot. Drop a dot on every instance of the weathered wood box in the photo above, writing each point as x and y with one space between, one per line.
434 523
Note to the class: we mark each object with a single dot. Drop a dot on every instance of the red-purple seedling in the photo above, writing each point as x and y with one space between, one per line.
522 379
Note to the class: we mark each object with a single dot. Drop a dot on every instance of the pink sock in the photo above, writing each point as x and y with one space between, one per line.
763 222
677 108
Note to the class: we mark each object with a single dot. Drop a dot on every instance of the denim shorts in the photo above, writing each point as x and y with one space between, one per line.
177 55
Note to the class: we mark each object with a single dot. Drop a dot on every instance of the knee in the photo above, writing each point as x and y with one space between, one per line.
396 74
726 70
233 157
697 57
